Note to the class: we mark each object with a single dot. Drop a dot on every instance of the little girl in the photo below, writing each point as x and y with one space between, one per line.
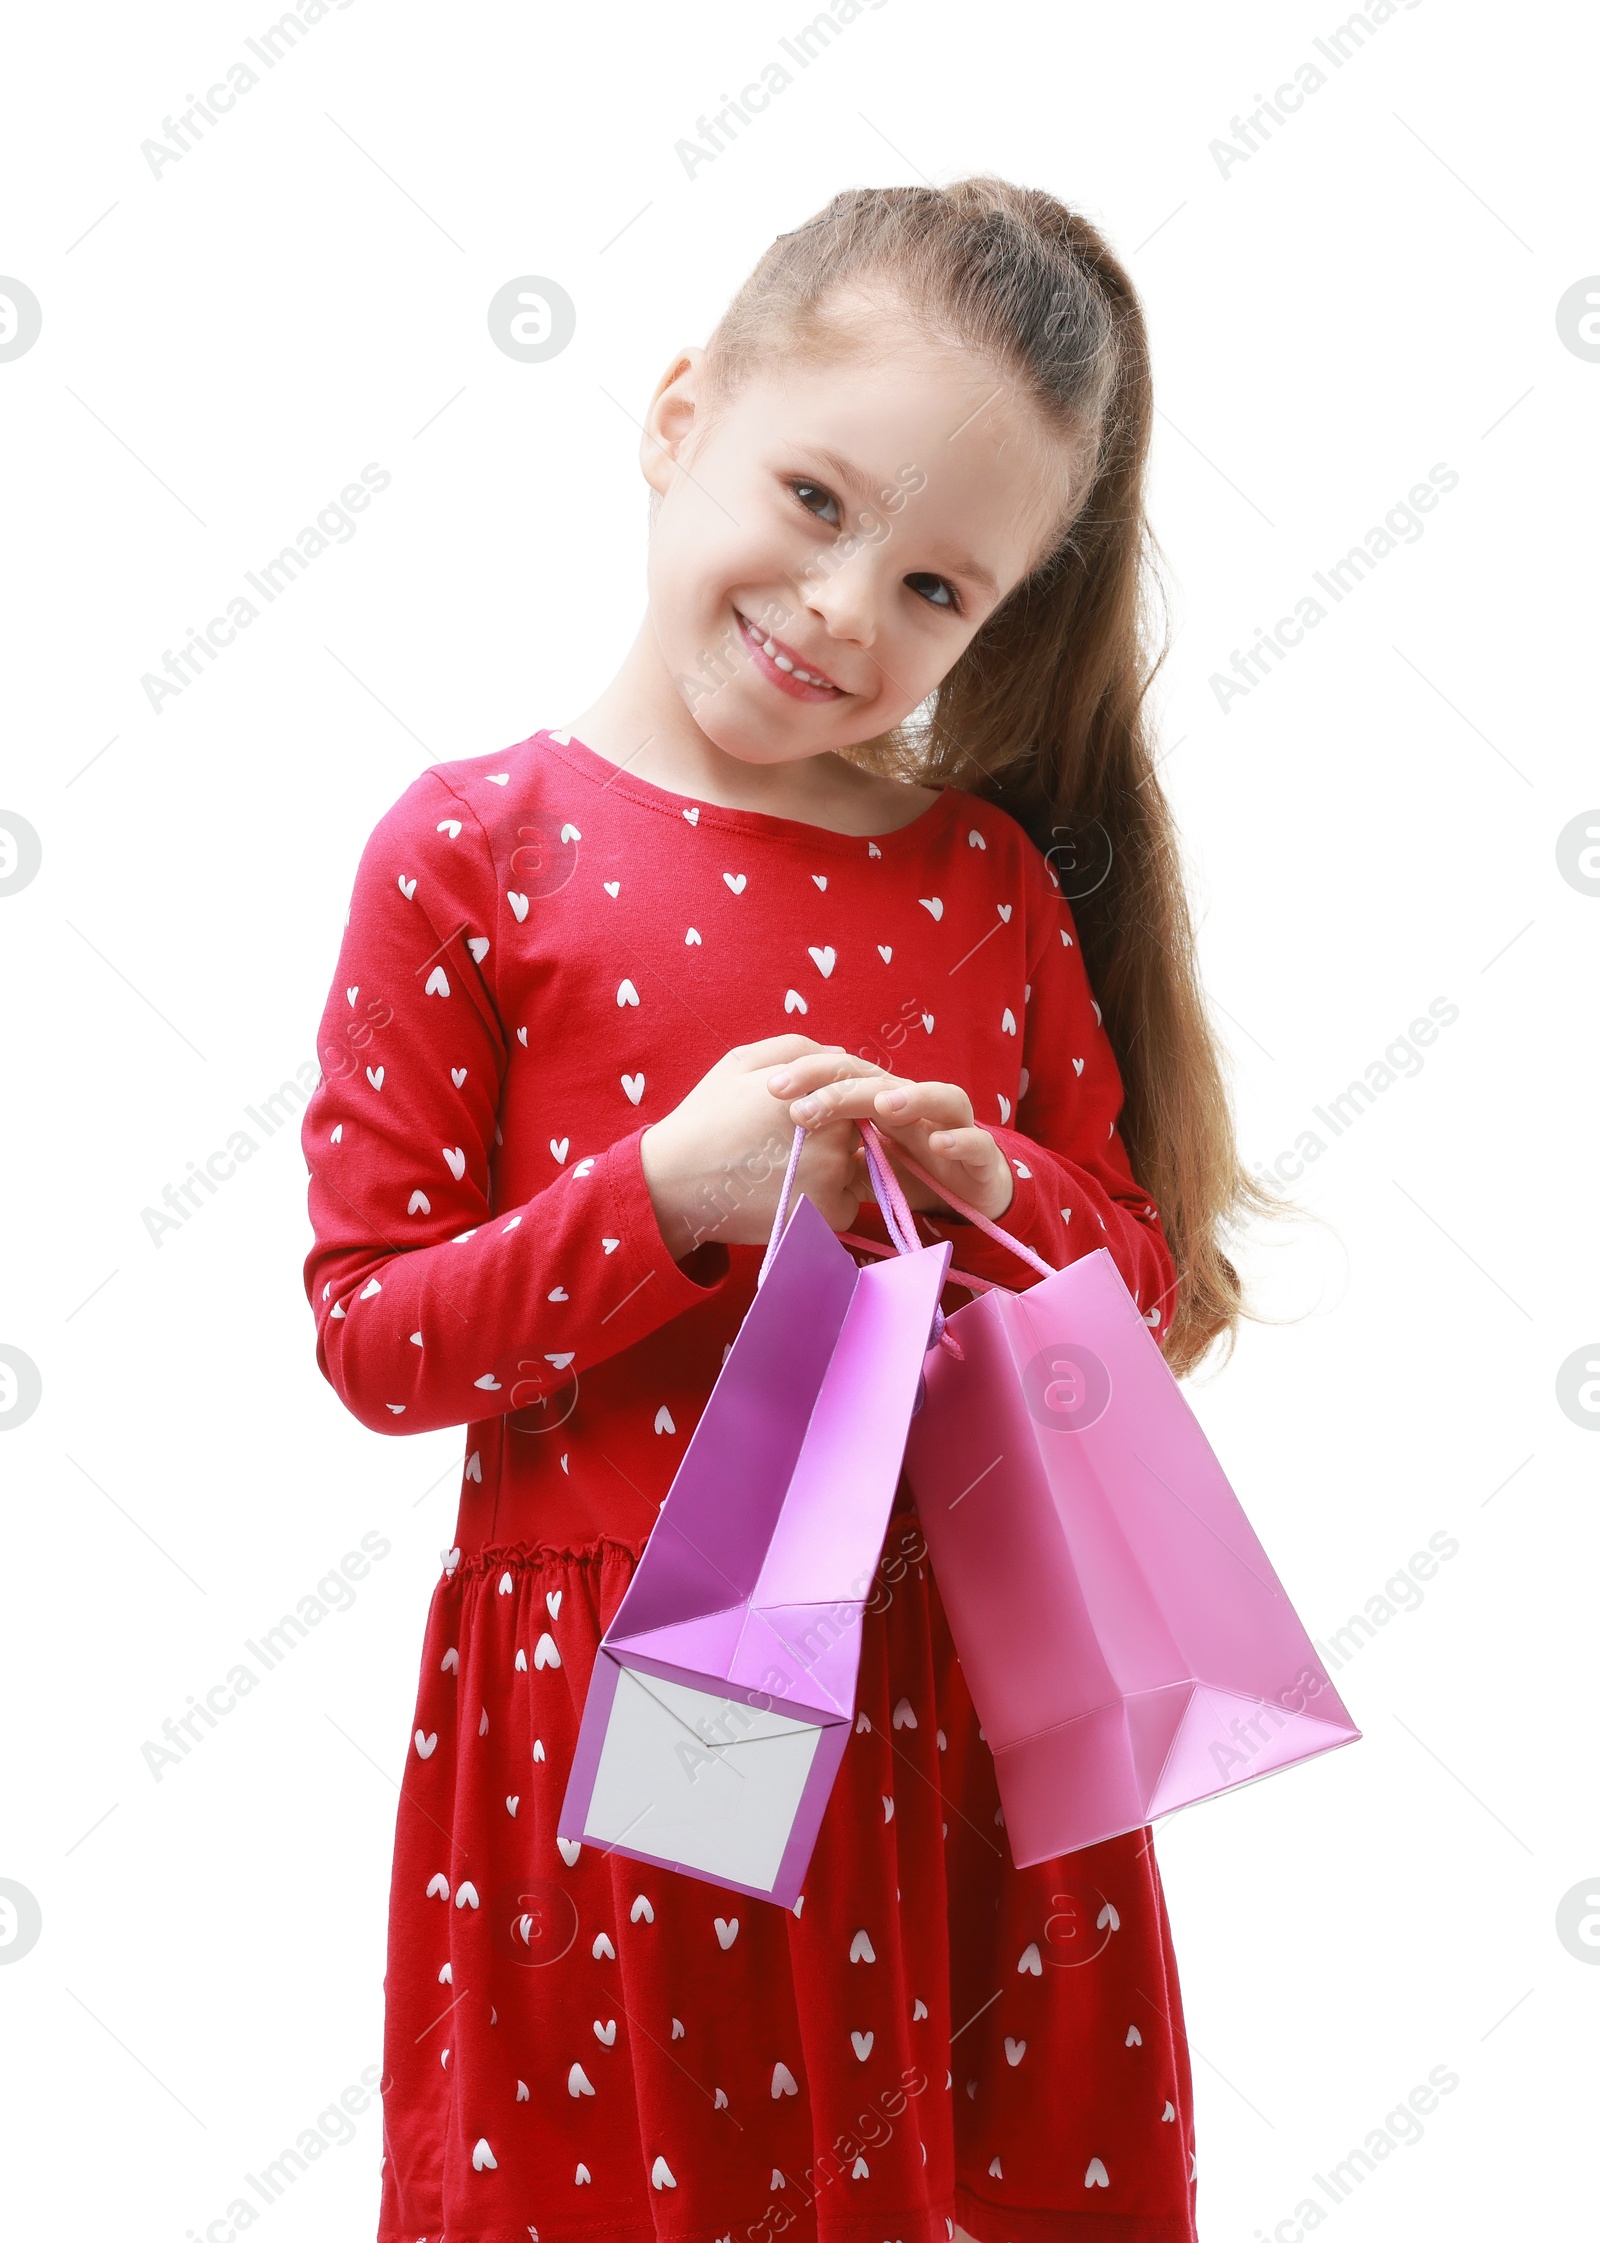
812 857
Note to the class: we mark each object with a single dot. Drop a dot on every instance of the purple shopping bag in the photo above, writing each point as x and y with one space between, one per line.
723 1691
1125 1640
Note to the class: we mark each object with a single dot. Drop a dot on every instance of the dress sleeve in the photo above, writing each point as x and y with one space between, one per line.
1074 1187
434 1305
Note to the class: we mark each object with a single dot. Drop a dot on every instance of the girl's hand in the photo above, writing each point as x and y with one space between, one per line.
714 1165
931 1121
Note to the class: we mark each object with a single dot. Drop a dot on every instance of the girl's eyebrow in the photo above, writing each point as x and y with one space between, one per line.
847 474
862 485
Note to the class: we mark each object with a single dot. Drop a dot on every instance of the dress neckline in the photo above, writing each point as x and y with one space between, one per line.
761 824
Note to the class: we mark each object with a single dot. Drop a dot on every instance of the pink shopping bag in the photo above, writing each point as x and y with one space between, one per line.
723 1691
1126 1642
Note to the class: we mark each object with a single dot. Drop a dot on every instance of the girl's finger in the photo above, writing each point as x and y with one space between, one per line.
849 1100
822 1074
772 1050
972 1149
943 1105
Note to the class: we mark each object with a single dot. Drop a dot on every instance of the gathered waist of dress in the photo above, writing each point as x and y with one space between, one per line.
524 1553
516 1552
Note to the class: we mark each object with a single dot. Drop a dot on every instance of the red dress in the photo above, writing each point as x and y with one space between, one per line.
543 955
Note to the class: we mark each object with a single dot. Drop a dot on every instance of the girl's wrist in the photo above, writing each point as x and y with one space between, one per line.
671 1216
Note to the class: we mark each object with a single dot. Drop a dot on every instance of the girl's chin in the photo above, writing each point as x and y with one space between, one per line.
748 747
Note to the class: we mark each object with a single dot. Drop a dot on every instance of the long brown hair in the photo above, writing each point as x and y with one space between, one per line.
1044 712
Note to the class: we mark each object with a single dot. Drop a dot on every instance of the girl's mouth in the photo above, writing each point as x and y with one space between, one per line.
783 667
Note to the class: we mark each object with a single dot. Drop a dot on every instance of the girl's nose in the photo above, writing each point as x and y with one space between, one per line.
847 605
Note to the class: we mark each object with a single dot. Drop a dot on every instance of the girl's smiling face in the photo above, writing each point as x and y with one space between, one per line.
826 547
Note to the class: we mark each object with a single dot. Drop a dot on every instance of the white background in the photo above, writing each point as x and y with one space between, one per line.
1373 827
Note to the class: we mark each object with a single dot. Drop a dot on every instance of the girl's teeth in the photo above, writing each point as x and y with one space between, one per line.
770 650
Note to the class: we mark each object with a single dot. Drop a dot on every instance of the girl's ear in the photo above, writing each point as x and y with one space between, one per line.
670 418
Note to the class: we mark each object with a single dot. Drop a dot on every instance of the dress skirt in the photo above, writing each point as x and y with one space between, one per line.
581 2046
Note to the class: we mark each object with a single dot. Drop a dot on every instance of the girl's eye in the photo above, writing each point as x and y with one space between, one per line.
800 488
949 602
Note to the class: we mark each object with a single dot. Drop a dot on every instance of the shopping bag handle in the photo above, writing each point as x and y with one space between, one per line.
1004 1237
962 1207
898 1218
